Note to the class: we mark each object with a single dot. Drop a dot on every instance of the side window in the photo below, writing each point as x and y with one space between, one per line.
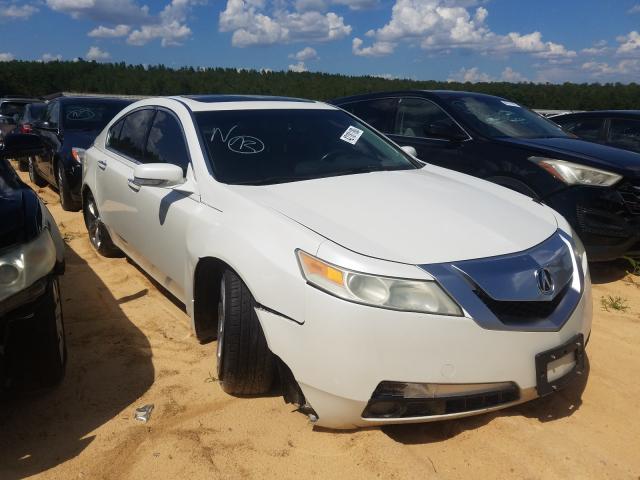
379 113
166 142
114 134
133 135
586 128
625 133
53 112
421 118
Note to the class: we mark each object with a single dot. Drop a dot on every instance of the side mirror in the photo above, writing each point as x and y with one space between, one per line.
17 145
410 150
158 175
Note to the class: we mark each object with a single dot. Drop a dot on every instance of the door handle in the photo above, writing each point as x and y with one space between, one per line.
102 165
133 185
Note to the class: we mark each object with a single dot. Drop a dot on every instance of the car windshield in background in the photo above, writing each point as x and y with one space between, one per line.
494 117
261 147
11 108
89 116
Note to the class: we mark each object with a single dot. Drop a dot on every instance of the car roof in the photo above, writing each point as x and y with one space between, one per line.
200 103
20 99
422 93
602 113
123 101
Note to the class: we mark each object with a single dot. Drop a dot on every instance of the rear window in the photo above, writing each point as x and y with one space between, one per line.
89 115
11 108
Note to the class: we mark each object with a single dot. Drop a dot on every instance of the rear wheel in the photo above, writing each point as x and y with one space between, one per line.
98 234
51 352
34 176
66 200
245 363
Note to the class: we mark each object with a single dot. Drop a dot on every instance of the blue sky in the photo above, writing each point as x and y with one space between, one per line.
468 40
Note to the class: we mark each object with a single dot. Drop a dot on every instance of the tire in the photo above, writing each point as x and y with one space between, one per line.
34 176
98 234
66 200
51 347
246 366
23 164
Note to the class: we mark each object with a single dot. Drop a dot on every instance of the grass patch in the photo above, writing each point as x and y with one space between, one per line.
617 303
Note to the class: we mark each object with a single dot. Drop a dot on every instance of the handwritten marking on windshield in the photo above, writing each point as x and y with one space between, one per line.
244 144
81 113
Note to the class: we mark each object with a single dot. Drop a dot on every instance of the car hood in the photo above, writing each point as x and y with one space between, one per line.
430 215
593 154
20 214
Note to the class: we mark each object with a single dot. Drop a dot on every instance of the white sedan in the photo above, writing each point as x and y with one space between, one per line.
376 289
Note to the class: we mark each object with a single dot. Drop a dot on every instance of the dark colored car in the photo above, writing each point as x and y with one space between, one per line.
616 128
67 123
32 113
32 340
596 187
11 109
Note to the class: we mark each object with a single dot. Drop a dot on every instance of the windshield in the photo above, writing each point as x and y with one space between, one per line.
494 117
89 116
260 147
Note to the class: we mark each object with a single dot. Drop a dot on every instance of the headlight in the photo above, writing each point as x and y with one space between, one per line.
384 292
23 265
576 174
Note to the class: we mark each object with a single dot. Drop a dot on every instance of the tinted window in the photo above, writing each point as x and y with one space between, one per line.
89 115
33 112
274 146
586 128
166 142
421 118
11 108
495 117
133 136
377 113
51 117
625 133
114 134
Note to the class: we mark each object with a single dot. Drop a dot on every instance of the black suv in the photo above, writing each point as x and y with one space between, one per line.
617 128
11 109
68 122
596 188
32 340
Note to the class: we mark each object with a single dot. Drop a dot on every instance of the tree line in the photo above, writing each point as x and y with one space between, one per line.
38 79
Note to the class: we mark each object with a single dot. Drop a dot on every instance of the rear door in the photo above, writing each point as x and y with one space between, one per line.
49 132
116 198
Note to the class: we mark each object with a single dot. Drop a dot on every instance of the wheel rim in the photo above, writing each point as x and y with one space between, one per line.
31 170
93 223
59 322
221 316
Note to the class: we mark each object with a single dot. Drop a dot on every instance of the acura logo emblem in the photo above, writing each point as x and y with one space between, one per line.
545 281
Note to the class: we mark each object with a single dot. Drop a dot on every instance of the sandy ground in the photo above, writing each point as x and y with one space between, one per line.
129 344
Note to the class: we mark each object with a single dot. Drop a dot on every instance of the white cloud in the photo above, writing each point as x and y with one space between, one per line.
624 68
6 57
111 11
634 9
257 22
16 11
298 67
510 75
629 43
321 5
443 25
305 54
599 48
171 27
48 57
95 53
473 75
106 32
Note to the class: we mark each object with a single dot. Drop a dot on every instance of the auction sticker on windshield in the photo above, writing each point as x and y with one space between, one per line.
352 135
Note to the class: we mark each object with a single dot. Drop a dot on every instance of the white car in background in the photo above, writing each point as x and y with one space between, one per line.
379 290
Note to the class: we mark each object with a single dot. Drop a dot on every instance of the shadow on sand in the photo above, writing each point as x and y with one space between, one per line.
109 367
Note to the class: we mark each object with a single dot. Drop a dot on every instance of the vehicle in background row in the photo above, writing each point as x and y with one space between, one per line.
595 187
33 113
616 128
32 340
68 123
378 289
11 109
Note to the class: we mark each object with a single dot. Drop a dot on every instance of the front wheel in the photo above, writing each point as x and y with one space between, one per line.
98 234
245 363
